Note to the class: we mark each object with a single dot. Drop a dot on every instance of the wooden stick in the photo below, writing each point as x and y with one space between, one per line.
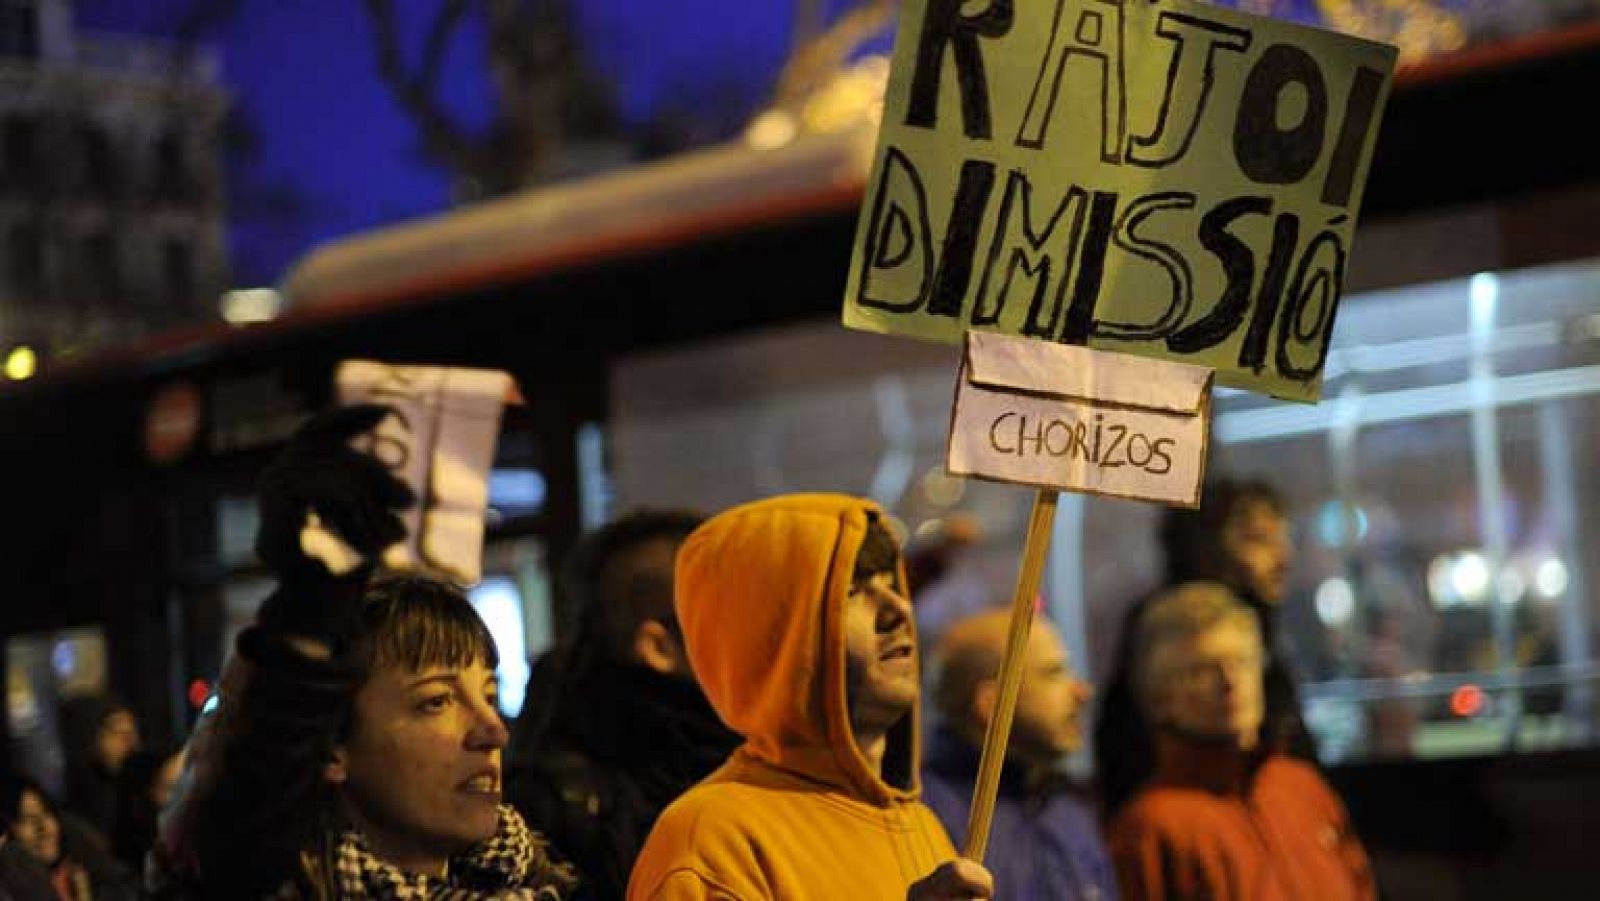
998 734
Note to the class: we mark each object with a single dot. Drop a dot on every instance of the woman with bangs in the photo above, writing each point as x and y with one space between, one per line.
354 750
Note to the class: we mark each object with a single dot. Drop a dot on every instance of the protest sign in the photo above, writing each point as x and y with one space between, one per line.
1057 416
441 442
1169 179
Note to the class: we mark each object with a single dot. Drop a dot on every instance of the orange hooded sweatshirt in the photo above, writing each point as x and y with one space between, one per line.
797 812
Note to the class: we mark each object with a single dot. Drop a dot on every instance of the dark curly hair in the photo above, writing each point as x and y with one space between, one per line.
1191 540
603 591
879 553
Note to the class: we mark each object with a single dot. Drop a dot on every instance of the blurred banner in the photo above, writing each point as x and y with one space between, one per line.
441 441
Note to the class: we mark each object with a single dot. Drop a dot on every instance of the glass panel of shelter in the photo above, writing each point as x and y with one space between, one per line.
1440 603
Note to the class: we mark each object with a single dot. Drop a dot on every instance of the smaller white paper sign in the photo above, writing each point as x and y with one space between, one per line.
1066 417
441 442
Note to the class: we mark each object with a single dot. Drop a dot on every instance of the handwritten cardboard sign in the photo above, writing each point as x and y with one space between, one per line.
441 442
1164 178
1064 417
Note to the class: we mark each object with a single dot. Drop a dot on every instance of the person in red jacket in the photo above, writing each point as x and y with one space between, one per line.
1223 817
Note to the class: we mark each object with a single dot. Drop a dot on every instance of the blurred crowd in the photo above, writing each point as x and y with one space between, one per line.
734 709
89 839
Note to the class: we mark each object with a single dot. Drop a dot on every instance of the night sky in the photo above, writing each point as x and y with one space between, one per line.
321 149
330 152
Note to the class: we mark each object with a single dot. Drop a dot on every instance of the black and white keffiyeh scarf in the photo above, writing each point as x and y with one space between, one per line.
513 865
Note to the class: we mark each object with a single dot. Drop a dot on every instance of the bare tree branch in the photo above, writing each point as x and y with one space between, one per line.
809 17
201 17
441 134
811 65
438 41
544 93
197 19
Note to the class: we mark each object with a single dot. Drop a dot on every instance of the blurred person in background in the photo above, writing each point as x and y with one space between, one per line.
98 733
1239 537
1044 844
143 789
944 583
74 859
354 748
615 726
1223 815
22 878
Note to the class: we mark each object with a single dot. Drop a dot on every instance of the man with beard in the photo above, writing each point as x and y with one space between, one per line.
798 627
1044 844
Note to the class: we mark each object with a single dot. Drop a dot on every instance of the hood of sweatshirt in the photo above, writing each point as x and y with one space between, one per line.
760 593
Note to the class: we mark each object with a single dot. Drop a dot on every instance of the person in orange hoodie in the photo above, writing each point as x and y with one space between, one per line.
798 628
1223 817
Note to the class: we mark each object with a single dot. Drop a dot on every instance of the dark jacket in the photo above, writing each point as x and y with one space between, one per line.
91 793
1123 750
1044 841
25 878
22 878
602 749
84 852
90 789
109 880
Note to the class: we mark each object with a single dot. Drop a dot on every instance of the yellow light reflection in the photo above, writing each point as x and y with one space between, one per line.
21 363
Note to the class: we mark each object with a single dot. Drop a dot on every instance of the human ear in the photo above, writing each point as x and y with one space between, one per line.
337 770
985 695
656 648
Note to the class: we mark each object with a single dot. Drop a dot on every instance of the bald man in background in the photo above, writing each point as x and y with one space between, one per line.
1045 840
